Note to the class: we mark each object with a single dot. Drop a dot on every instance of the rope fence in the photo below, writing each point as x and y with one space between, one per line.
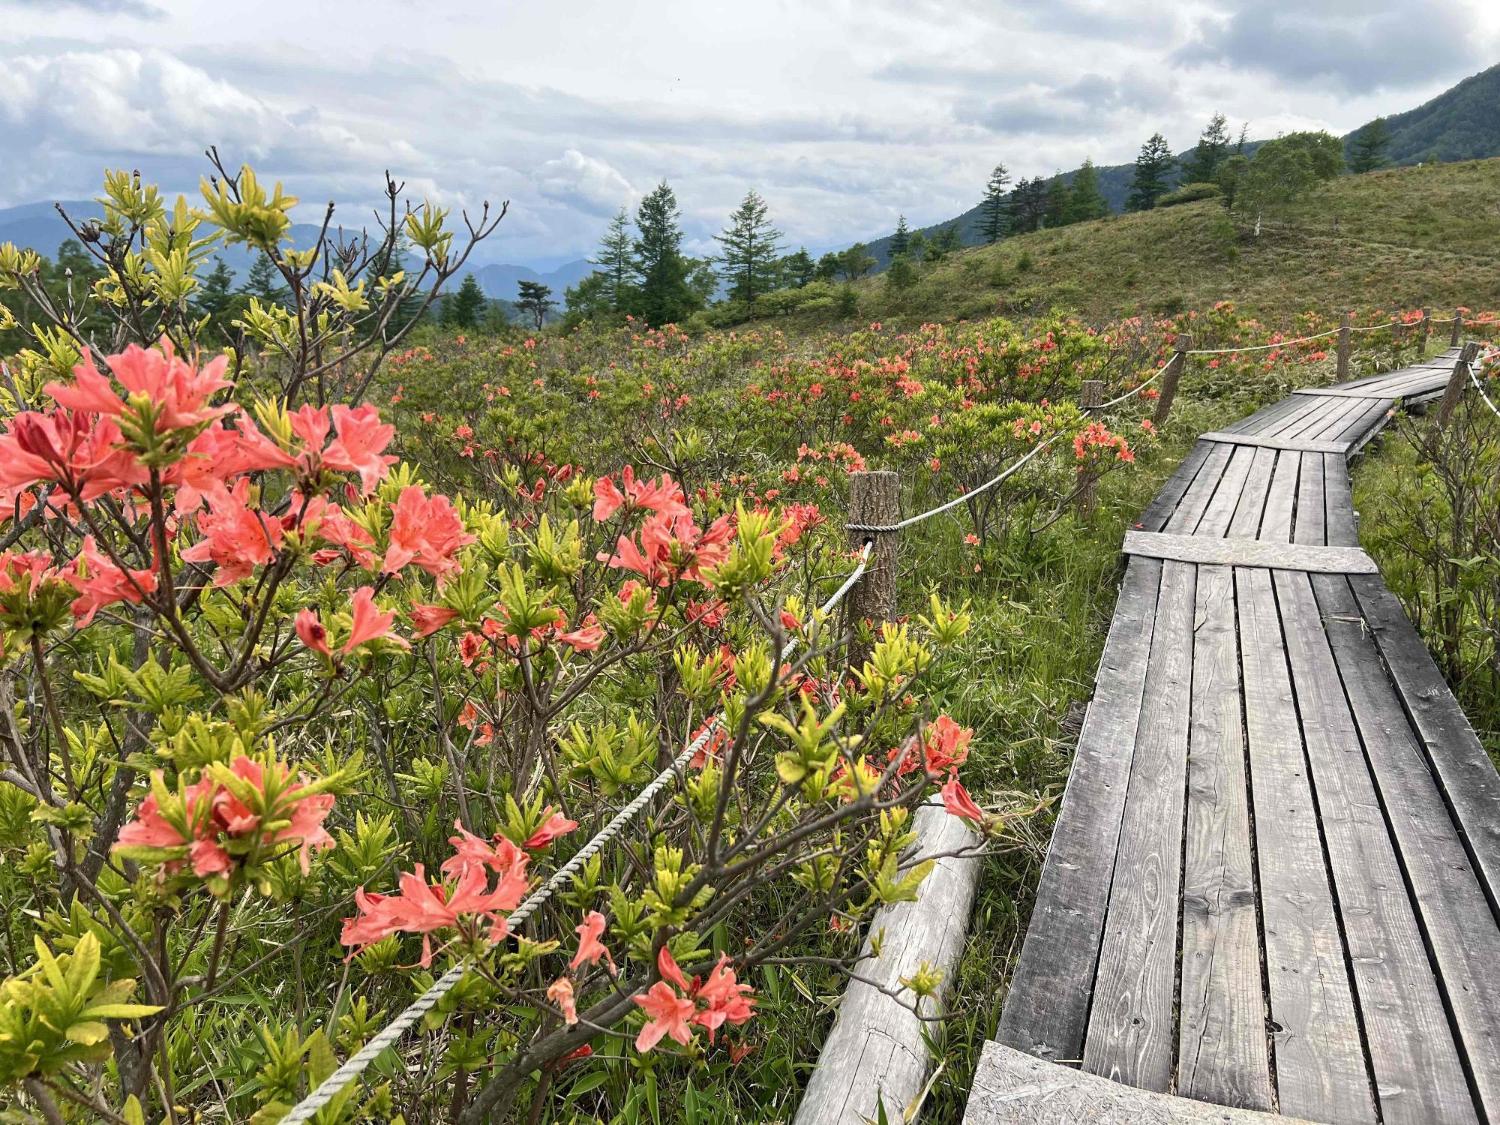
1171 370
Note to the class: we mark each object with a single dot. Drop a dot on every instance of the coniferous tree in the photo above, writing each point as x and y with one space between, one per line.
944 242
264 282
797 269
535 299
465 308
828 266
215 298
901 240
902 275
1367 148
1085 200
1057 201
994 215
1202 165
662 294
1028 204
751 247
1152 168
614 261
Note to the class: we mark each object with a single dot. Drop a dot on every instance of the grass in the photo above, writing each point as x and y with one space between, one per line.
1401 238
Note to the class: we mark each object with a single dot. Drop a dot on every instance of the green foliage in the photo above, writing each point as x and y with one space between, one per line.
1085 201
995 210
1190 193
1153 168
1368 146
662 293
465 308
1283 171
901 239
1201 166
750 250
535 300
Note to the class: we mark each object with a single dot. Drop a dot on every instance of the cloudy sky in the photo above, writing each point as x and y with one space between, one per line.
843 114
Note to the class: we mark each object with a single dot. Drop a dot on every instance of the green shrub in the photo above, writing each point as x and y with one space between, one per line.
1190 193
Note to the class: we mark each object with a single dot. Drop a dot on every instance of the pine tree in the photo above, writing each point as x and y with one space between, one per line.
213 296
465 308
797 269
1028 205
994 215
751 245
1367 148
264 282
614 261
535 299
662 294
1152 167
901 240
1057 201
1085 200
1202 164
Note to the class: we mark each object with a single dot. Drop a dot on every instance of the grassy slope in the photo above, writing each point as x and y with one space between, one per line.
1399 238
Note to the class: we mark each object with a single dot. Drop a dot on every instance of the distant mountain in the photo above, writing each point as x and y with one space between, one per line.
38 226
1460 124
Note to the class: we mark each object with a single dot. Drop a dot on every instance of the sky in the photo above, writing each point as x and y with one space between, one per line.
841 114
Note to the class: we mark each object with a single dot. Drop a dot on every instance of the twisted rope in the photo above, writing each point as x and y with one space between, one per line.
1478 386
392 1033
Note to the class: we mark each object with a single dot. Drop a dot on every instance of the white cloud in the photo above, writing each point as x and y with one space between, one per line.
586 182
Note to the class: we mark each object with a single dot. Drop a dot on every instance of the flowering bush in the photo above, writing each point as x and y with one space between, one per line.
262 675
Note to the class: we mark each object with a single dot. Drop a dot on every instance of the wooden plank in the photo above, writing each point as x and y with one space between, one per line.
1314 419
1154 518
1249 553
1418 1075
1276 443
1465 772
1252 500
1011 1088
1336 421
1264 417
877 1052
1046 1011
1221 1047
1457 916
1342 524
1365 426
1293 421
1317 1046
1311 520
1130 1032
1196 499
1281 499
1219 509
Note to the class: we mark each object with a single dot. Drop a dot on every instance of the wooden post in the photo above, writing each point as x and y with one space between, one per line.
1426 328
1090 398
1171 376
1458 328
1456 383
874 501
1346 337
1396 332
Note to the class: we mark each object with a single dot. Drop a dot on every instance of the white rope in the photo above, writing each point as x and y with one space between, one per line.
1271 347
388 1036
1478 386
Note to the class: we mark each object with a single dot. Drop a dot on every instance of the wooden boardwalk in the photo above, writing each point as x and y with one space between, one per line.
1272 884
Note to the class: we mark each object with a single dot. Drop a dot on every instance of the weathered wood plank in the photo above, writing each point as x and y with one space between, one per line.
1011 1088
1222 1053
1221 506
1311 524
1264 417
1276 443
1252 500
1418 1075
876 1052
1281 498
1160 510
1249 553
1130 1032
1341 521
1318 1051
1364 428
1202 490
1465 772
1458 918
1046 1011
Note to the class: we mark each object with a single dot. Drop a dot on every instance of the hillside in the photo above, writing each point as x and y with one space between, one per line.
1462 123
1396 238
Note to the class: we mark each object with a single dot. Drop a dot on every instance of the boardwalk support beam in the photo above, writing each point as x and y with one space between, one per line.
1457 384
